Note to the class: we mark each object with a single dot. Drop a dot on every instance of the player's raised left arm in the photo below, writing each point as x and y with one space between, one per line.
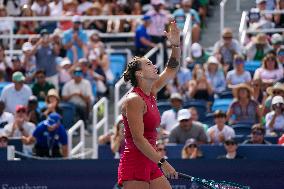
173 63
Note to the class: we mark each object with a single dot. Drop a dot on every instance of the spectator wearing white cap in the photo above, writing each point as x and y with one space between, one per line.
275 118
226 48
169 117
75 41
28 59
215 75
276 41
187 129
199 56
180 16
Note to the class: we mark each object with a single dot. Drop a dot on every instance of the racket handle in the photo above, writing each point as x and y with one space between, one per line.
184 176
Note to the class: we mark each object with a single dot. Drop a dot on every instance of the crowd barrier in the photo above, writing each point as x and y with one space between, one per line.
102 174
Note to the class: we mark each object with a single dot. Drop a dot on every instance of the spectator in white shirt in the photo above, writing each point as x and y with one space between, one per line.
21 128
220 132
275 118
78 91
16 93
5 117
169 117
56 8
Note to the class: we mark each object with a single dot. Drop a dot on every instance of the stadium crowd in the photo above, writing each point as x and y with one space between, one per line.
67 65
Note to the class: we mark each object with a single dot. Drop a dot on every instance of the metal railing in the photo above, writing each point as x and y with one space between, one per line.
103 102
81 145
222 16
160 64
243 30
187 38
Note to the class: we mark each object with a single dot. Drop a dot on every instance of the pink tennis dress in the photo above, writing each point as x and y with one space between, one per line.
134 165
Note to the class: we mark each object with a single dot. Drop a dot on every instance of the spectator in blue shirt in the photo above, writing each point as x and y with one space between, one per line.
180 17
75 41
49 136
142 38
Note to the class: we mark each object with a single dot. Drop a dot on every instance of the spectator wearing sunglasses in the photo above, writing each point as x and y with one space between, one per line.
276 90
257 135
231 147
191 150
220 132
275 118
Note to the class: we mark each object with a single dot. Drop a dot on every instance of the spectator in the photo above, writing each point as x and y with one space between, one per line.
33 114
262 6
195 117
231 147
57 42
84 6
117 143
143 41
280 56
169 117
199 56
244 108
187 129
259 92
279 18
46 53
161 149
276 41
28 61
226 48
41 8
275 90
215 75
5 24
5 117
3 140
65 72
21 128
270 71
220 132
180 16
52 101
50 138
257 135
257 48
75 40
238 75
275 119
159 21
5 62
16 66
78 91
191 150
99 25
41 86
56 7
136 10
16 93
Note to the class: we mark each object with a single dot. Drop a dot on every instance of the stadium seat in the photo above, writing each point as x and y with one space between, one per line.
242 128
117 66
163 106
209 119
221 104
3 154
226 94
251 66
68 114
104 152
200 106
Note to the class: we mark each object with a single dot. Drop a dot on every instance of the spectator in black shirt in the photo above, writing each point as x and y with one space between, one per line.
257 135
231 147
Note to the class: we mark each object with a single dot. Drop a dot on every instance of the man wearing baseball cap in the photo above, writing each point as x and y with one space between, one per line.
187 129
50 137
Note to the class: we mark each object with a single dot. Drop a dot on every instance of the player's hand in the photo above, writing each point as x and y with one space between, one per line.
173 34
169 171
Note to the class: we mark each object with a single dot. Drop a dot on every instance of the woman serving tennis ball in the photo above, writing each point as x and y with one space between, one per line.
141 167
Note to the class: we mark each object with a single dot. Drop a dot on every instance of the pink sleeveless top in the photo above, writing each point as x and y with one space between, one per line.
151 120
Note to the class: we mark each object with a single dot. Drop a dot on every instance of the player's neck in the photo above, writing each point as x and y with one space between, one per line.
145 87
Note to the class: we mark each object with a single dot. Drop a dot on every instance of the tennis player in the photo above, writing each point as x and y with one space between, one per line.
141 167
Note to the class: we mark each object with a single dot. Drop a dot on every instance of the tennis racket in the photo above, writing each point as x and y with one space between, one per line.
211 184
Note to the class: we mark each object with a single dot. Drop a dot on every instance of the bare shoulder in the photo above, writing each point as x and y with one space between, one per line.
134 102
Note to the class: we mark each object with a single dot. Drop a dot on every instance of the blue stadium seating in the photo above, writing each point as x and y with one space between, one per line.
3 154
251 66
200 106
209 119
104 152
221 104
226 94
117 65
163 106
68 114
242 128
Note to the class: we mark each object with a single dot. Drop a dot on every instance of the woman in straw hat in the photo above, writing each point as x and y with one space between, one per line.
244 107
52 104
270 69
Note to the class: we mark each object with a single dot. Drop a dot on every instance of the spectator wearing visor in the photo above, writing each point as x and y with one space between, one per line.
191 150
50 137
257 135
275 118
